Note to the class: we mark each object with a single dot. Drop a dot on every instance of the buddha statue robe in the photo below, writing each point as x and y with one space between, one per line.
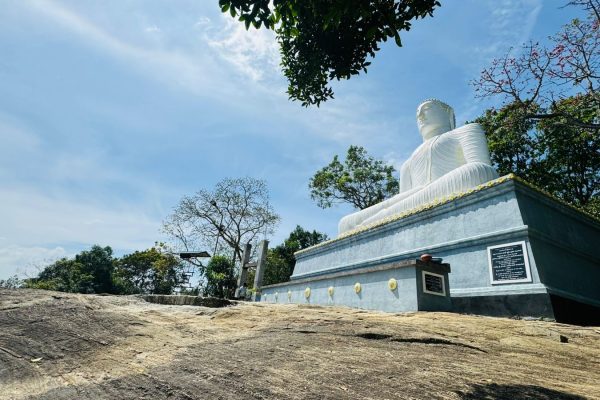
449 161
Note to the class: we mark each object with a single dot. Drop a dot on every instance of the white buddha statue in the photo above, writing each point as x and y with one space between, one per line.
449 161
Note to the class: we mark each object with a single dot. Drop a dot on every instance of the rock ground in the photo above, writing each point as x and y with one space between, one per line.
68 346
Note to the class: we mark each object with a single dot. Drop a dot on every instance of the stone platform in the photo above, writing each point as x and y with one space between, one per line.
513 250
410 285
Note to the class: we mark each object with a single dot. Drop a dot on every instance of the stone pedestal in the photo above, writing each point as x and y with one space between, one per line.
409 285
513 250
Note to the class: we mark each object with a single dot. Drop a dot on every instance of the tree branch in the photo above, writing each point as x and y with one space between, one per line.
570 120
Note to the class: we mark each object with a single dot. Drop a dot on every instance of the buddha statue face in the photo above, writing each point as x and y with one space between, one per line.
434 118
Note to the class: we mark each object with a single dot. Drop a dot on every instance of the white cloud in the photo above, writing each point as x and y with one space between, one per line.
202 22
16 136
183 69
26 261
254 53
509 24
28 161
152 29
30 216
56 199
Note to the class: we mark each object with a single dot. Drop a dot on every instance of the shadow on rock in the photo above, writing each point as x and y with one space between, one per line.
515 392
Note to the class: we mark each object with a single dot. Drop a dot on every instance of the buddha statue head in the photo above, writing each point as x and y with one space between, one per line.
434 117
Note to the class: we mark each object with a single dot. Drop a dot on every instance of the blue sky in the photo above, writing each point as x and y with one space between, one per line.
111 111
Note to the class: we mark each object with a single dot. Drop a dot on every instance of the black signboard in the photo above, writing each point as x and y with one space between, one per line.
433 283
509 263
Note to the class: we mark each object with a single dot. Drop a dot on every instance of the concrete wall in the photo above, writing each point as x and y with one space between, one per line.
374 294
561 245
459 232
566 247
478 218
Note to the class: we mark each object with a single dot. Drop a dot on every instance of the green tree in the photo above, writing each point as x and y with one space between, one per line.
547 129
220 277
361 181
148 271
280 259
557 156
89 272
322 40
572 153
514 146
57 276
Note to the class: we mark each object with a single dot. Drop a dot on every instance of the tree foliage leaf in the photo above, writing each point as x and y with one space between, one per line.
361 181
322 40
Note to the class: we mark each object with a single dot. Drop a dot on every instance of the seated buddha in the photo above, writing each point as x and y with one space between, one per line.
450 160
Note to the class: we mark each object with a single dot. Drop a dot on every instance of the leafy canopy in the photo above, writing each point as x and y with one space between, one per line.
148 271
220 277
88 272
360 180
97 271
321 40
547 129
280 259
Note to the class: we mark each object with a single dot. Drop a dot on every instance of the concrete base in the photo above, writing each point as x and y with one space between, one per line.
371 288
538 305
560 246
573 312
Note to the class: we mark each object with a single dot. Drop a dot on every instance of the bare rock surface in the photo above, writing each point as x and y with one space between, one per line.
68 346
